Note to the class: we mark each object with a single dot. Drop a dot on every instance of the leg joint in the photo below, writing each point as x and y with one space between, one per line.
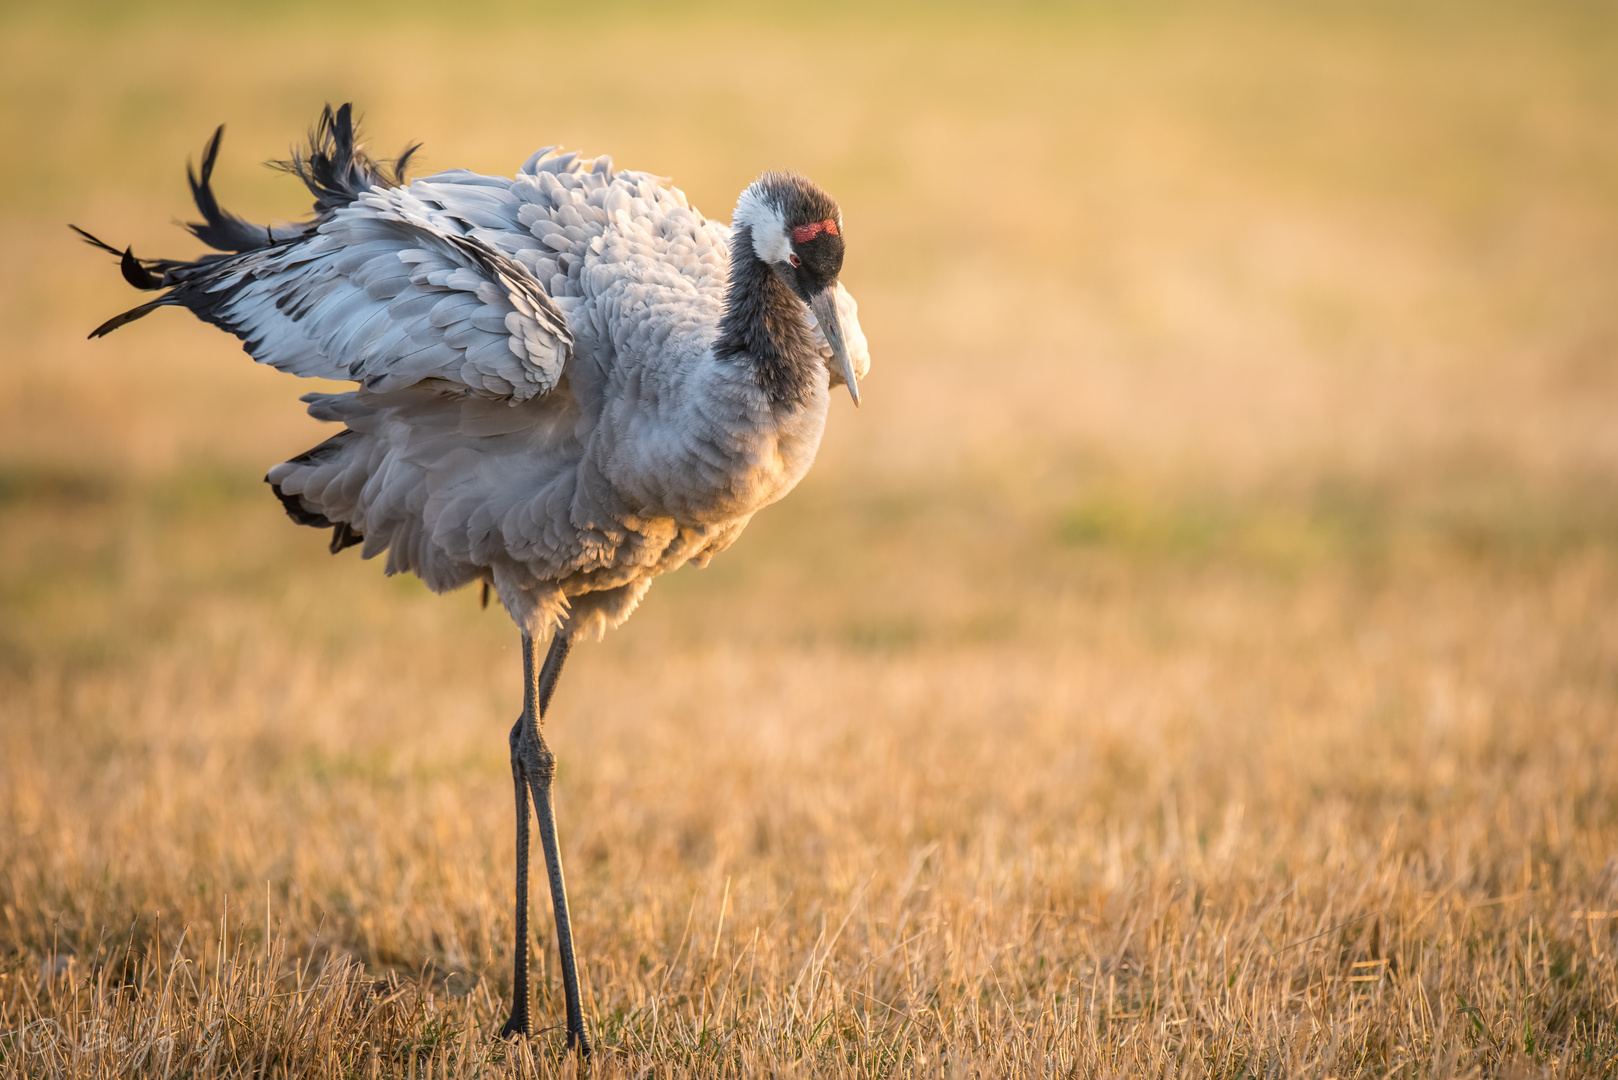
537 760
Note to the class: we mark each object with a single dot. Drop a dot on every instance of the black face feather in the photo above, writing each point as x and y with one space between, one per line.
820 260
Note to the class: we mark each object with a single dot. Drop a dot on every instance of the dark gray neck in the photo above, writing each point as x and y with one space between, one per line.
764 326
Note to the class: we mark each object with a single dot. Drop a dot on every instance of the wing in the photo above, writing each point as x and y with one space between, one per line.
382 288
385 296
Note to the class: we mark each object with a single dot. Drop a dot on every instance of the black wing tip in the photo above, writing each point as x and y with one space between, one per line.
402 163
137 274
210 152
134 270
201 177
343 535
297 511
94 241
219 228
129 316
335 168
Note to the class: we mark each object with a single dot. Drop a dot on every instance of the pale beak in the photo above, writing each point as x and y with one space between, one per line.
824 305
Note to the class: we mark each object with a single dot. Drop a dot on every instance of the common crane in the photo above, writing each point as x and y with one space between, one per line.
569 382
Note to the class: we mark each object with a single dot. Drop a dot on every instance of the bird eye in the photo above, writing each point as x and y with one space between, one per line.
795 260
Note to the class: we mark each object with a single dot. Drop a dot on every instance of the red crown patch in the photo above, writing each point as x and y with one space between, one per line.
804 233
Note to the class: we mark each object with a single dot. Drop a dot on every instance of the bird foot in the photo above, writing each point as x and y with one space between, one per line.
515 1026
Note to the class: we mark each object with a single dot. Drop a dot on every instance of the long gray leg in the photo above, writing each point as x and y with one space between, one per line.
517 1023
533 761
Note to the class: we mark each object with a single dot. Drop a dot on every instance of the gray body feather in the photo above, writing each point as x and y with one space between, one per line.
540 405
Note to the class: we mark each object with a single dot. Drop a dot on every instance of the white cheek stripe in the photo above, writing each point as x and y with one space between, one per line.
770 242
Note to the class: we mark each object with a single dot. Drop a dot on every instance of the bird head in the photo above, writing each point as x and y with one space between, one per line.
797 231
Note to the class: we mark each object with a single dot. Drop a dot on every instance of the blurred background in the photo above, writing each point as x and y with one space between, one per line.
1139 275
1237 460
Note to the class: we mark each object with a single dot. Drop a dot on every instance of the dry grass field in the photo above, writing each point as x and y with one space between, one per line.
1199 656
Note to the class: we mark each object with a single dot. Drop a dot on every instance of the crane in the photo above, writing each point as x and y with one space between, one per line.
569 382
